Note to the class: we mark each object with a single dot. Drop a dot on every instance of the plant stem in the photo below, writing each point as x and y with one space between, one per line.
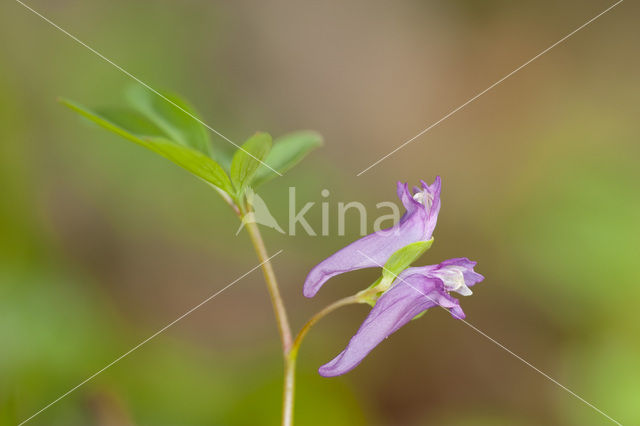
272 286
288 390
317 317
289 348
281 320
292 355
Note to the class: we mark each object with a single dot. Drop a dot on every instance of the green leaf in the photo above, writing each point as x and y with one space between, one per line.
288 150
401 260
132 121
247 159
178 121
187 158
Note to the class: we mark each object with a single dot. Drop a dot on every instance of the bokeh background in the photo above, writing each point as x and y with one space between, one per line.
103 243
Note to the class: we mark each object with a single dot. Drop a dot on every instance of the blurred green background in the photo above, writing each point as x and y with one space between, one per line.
103 243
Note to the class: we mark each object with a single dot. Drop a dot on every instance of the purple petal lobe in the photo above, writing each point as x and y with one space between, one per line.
457 274
409 297
374 250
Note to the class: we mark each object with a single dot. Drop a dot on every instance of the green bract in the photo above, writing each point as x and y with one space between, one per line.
401 260
398 262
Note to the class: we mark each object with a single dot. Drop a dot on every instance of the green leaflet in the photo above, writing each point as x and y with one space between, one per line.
194 161
179 123
287 151
169 126
131 120
247 159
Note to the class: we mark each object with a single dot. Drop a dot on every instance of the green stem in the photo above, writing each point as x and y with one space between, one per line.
272 286
292 355
281 320
289 347
288 390
317 317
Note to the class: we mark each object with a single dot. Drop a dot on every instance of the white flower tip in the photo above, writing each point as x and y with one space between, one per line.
464 291
424 197
453 280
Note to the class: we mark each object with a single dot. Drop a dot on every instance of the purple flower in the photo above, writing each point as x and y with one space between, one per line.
414 291
372 251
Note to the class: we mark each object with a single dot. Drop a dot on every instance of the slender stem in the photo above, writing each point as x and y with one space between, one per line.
281 320
272 286
289 347
292 355
288 390
317 317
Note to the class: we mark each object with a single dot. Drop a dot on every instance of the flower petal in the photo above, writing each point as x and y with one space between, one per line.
368 252
374 250
406 299
457 274
434 209
406 197
471 277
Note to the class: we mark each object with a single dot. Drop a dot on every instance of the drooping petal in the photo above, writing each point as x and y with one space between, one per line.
373 250
410 296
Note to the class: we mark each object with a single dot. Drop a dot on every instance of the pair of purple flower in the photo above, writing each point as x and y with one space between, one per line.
413 291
